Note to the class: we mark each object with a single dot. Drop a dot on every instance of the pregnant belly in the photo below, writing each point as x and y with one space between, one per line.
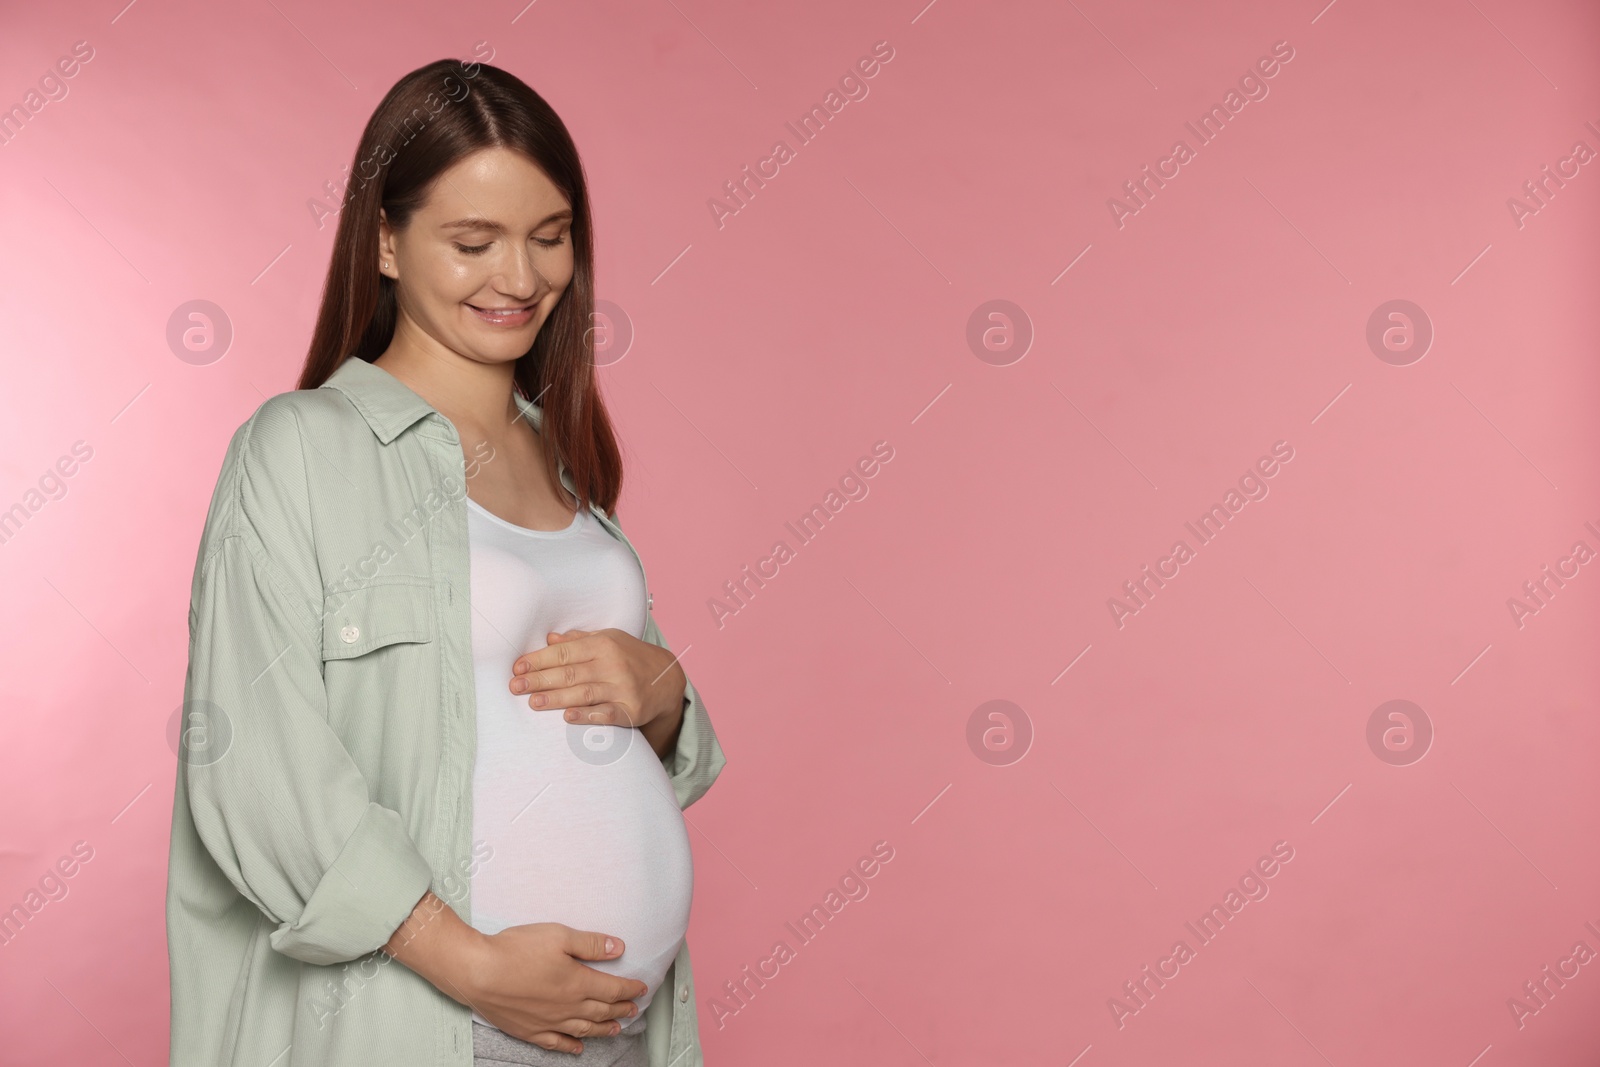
585 830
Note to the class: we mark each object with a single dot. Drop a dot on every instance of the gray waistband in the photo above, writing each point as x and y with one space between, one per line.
492 1048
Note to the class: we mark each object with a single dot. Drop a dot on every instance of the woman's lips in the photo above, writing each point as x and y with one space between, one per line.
512 318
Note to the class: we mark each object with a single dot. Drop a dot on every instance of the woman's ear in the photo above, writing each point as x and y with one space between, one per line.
386 257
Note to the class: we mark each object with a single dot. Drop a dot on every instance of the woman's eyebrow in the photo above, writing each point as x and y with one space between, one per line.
475 222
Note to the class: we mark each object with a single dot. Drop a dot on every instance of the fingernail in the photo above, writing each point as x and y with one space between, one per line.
611 946
572 716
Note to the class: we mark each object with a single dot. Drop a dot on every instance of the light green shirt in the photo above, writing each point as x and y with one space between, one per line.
325 777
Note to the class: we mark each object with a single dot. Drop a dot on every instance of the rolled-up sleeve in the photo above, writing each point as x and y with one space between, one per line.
276 798
696 759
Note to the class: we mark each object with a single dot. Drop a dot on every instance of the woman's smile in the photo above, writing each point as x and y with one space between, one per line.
513 316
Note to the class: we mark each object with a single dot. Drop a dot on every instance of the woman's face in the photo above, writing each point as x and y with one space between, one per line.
494 235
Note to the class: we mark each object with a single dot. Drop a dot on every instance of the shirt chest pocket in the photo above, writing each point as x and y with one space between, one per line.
386 611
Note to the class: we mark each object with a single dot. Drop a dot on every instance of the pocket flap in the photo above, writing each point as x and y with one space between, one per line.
382 612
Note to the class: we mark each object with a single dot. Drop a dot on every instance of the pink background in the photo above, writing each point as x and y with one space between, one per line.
833 312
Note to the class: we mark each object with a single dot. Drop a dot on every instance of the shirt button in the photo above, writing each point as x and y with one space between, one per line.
683 995
349 634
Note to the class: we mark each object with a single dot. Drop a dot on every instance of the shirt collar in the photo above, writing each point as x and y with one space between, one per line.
388 404
391 407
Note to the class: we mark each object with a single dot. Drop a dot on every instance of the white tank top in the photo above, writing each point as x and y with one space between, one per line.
584 825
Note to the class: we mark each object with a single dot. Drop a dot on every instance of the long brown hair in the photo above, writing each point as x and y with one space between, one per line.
435 116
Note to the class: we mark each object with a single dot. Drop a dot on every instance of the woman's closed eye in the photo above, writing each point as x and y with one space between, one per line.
478 250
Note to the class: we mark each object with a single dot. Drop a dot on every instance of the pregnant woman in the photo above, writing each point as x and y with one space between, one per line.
429 718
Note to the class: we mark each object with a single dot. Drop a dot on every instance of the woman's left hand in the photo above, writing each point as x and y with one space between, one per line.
607 677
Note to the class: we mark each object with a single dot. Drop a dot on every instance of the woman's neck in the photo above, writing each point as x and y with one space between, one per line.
476 397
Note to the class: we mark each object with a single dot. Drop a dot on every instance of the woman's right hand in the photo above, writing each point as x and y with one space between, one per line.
530 982
525 979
